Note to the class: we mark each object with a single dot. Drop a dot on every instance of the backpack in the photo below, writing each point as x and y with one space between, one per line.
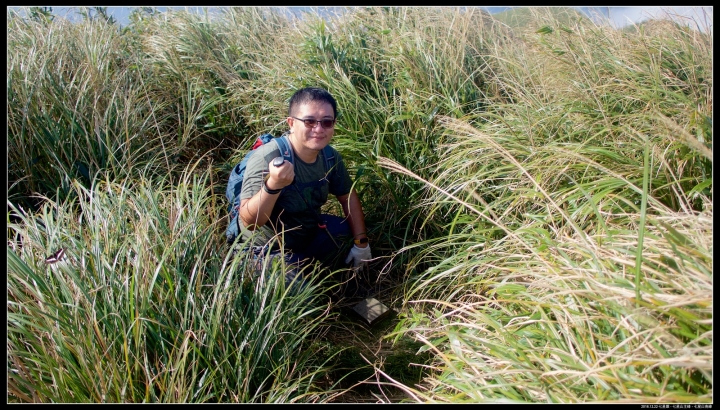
232 192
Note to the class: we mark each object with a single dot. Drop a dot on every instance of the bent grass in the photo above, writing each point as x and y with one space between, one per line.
538 191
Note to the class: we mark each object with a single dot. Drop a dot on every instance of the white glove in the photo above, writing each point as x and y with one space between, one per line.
359 256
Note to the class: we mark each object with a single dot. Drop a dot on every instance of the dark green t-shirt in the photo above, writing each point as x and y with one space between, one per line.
291 216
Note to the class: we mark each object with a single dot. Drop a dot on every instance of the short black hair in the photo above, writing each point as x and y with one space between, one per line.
311 94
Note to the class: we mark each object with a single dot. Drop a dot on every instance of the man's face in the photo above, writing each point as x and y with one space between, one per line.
315 138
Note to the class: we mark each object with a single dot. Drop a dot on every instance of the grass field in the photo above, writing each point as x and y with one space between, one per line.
537 188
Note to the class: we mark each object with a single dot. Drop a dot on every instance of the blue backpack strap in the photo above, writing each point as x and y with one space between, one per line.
329 156
285 149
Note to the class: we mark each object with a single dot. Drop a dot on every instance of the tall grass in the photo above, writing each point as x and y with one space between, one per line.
75 107
538 192
575 268
147 308
545 309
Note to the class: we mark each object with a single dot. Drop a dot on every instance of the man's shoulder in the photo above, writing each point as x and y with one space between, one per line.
267 148
262 155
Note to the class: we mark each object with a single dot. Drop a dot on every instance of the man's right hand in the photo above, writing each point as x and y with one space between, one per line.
280 176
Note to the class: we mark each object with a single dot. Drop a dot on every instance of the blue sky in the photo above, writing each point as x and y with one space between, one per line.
619 16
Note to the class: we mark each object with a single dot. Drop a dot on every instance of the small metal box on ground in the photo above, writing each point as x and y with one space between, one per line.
371 310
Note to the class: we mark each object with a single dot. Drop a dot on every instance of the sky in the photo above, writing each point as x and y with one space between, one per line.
618 16
622 16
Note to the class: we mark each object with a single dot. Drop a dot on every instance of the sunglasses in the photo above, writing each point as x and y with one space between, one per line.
311 123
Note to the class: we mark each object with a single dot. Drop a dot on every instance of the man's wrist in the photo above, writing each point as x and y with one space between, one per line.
268 190
361 242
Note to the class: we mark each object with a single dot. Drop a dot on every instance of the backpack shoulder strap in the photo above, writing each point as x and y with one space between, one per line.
285 148
329 155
